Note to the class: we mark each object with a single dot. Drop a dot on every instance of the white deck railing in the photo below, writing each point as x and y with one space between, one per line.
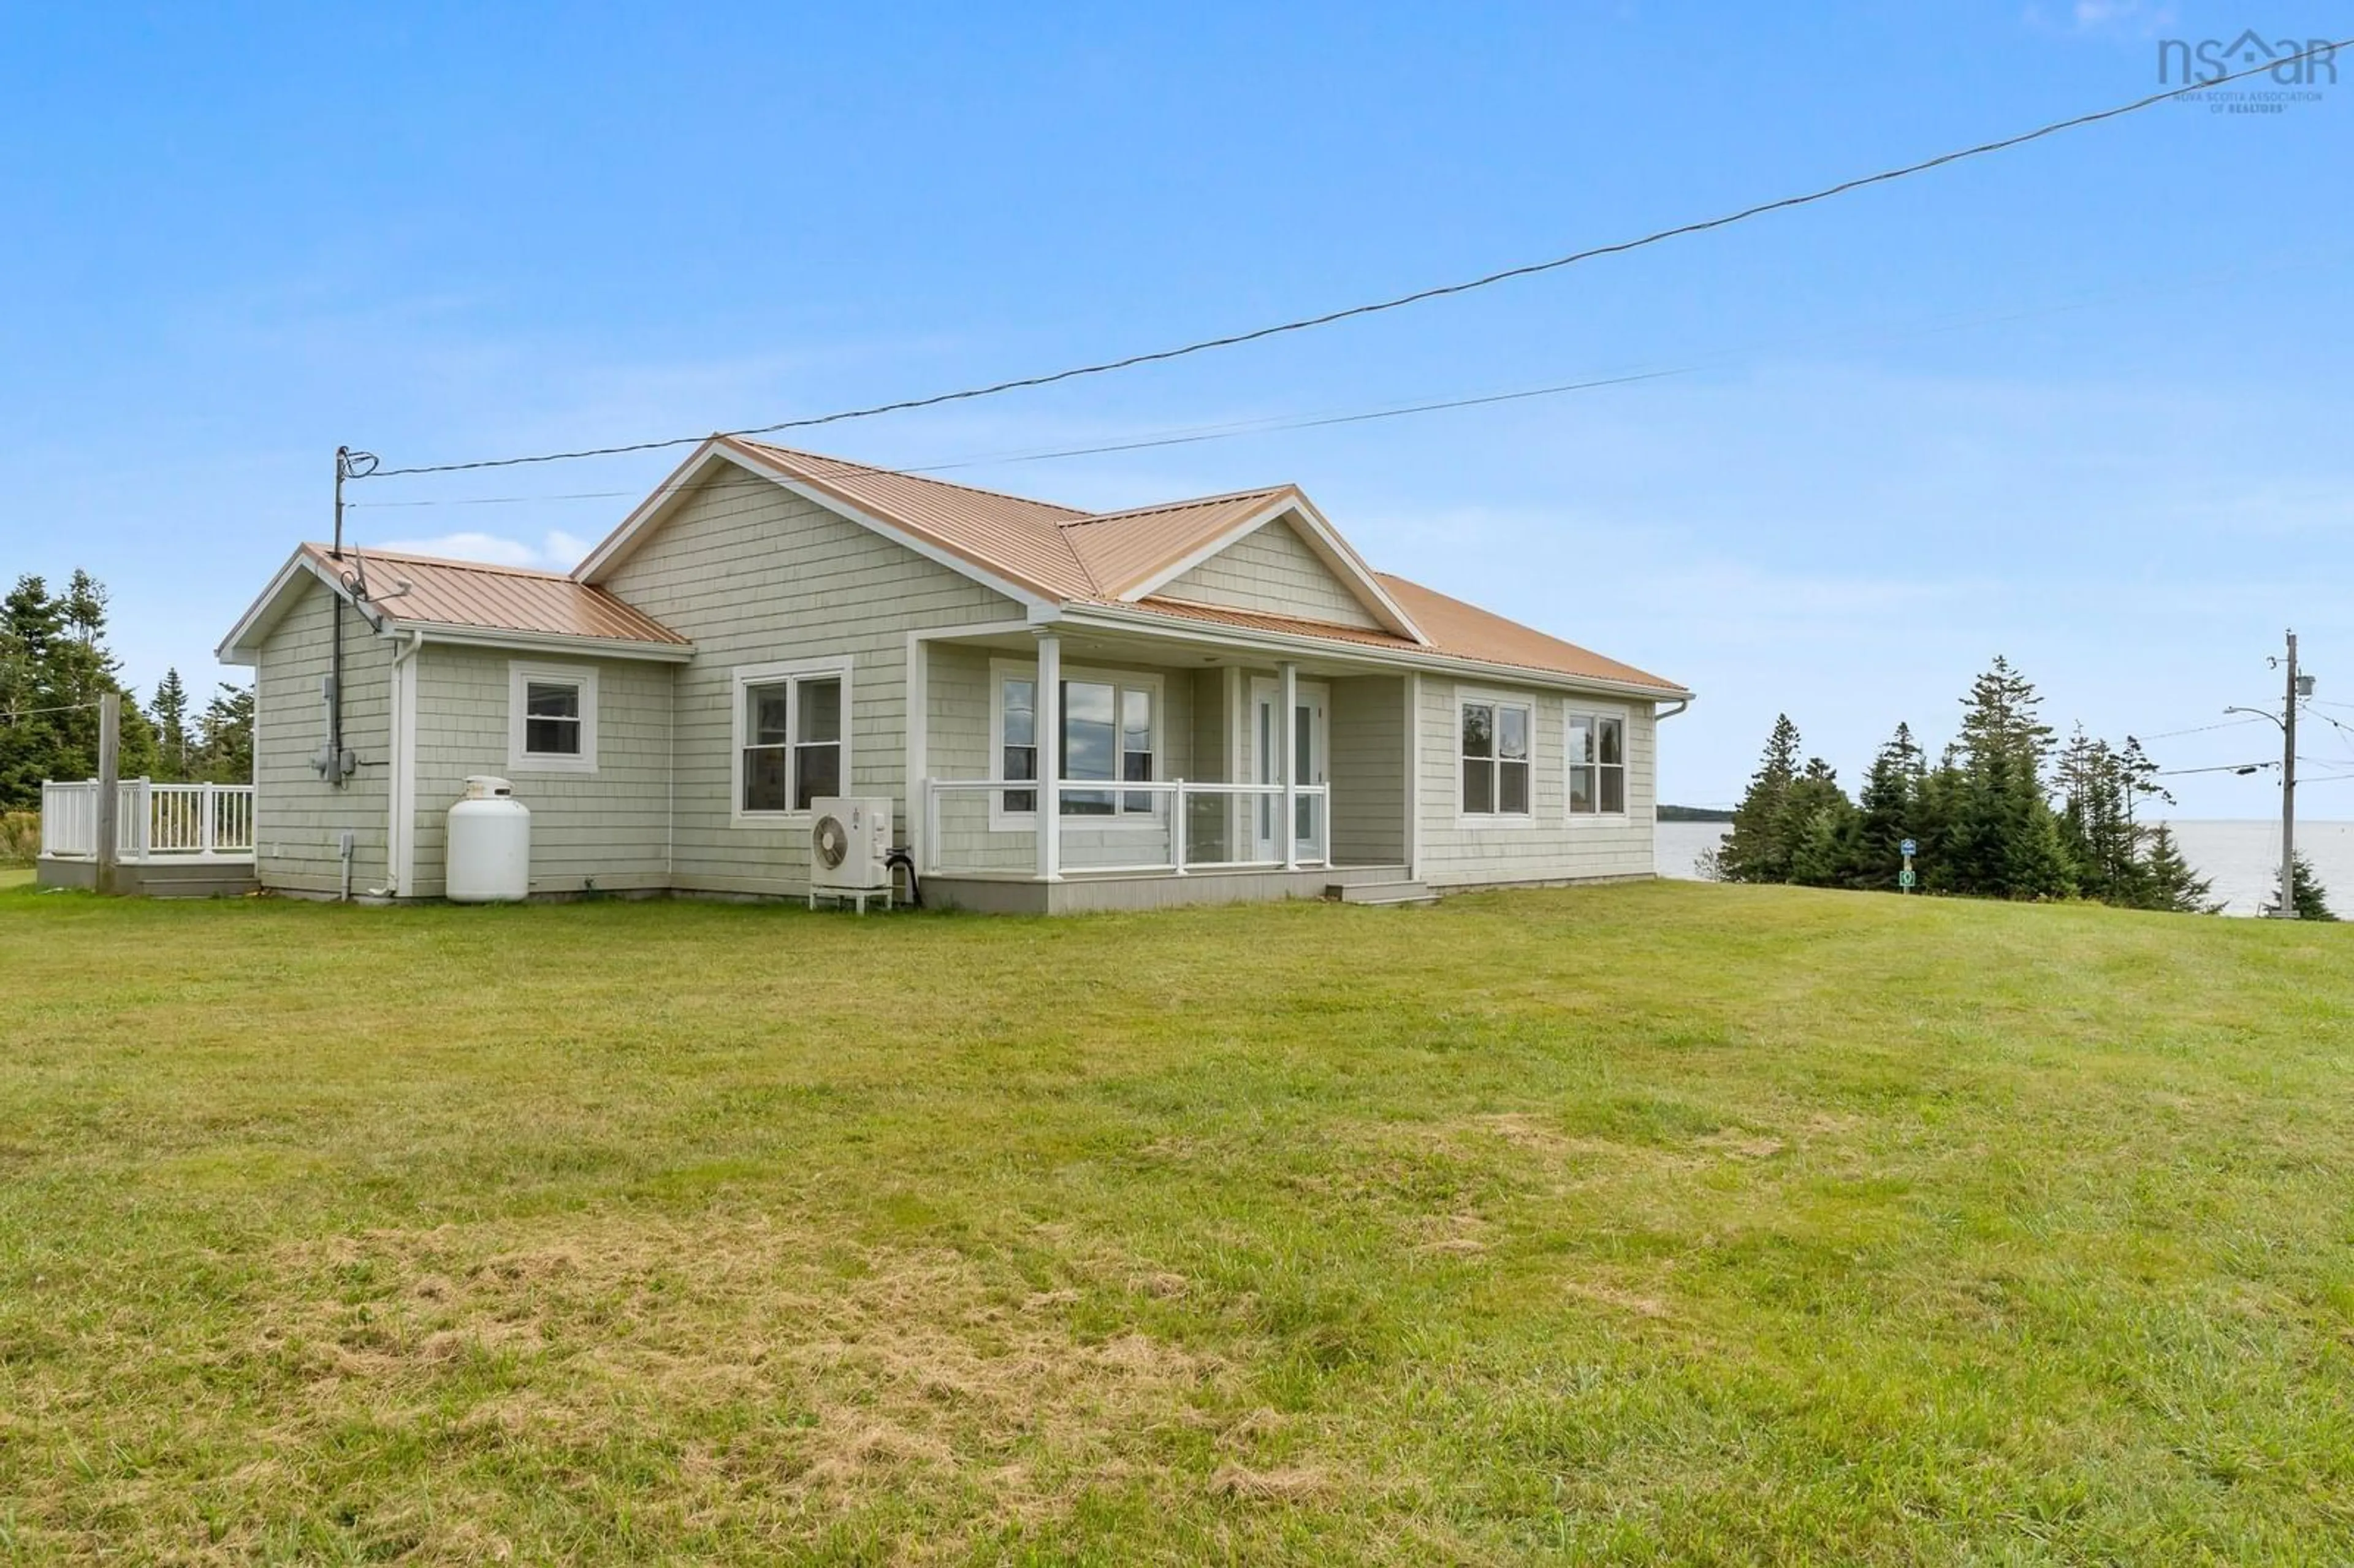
151 822
1184 826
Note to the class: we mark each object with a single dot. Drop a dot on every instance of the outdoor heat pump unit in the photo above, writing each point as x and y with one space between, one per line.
850 846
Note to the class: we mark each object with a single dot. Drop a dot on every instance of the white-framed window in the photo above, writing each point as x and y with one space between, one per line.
792 737
1495 743
551 718
1598 764
1112 735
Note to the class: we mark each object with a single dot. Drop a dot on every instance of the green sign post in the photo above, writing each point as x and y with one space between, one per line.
1904 877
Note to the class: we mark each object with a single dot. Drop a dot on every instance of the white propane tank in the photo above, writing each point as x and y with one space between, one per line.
489 844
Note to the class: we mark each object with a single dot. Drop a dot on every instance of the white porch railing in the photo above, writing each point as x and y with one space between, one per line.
151 822
1171 827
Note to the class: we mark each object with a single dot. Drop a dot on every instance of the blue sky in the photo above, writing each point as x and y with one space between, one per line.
2083 404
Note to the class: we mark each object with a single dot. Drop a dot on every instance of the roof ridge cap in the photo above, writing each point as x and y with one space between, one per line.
455 563
1174 505
798 455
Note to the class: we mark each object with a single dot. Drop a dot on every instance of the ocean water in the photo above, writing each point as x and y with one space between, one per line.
2241 858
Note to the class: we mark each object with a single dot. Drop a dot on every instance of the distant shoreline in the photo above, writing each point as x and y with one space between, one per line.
1693 814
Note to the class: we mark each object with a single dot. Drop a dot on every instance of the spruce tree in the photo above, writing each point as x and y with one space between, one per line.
2172 883
2006 842
225 737
167 711
1818 826
2304 887
31 739
1757 849
54 667
1888 808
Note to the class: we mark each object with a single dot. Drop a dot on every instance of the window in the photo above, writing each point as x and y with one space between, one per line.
790 737
1019 749
1496 758
551 718
1598 764
1111 736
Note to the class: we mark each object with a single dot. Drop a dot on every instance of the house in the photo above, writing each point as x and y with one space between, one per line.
1208 700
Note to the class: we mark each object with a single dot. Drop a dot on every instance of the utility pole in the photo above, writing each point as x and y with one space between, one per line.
343 466
2289 789
107 806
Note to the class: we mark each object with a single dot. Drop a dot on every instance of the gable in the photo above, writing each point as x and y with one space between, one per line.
1008 544
740 562
1272 569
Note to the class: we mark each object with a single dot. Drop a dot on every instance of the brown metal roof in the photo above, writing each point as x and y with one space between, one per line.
1002 534
1465 629
1121 549
1081 557
1455 628
491 598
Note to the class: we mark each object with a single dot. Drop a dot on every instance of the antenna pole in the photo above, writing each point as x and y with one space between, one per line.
343 467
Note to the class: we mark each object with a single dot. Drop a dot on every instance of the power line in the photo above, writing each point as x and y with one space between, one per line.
1419 296
2196 729
1271 424
2221 768
60 708
1174 439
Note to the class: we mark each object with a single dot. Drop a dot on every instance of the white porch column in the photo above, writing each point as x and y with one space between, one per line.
1286 741
1049 706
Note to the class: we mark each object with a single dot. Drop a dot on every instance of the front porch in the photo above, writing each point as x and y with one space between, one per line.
1166 771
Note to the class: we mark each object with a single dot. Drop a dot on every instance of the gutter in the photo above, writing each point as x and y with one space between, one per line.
537 642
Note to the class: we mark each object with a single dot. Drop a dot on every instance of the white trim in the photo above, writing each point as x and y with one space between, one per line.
919 714
1412 682
1625 764
1047 705
916 682
262 613
546 642
1001 667
746 676
620 544
1472 820
521 674
1234 639
1268 689
400 841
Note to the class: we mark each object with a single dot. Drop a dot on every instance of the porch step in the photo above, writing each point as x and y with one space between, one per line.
1400 892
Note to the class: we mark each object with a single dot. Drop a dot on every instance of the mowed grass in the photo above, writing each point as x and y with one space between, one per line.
1651 1223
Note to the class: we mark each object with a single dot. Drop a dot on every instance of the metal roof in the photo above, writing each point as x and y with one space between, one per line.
489 599
1455 630
1074 557
1022 539
1121 549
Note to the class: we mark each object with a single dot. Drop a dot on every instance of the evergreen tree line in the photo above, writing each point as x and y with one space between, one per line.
2008 810
54 667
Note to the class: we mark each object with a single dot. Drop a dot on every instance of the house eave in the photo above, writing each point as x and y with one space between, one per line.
1423 658
454 635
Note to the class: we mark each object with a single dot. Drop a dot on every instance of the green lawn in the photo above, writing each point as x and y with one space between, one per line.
1653 1222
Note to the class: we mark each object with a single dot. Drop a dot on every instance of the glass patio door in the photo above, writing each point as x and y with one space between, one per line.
1309 744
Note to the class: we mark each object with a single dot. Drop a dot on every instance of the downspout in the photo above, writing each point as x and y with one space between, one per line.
1657 715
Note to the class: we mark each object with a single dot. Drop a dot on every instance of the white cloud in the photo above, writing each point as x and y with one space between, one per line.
555 552
2132 19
